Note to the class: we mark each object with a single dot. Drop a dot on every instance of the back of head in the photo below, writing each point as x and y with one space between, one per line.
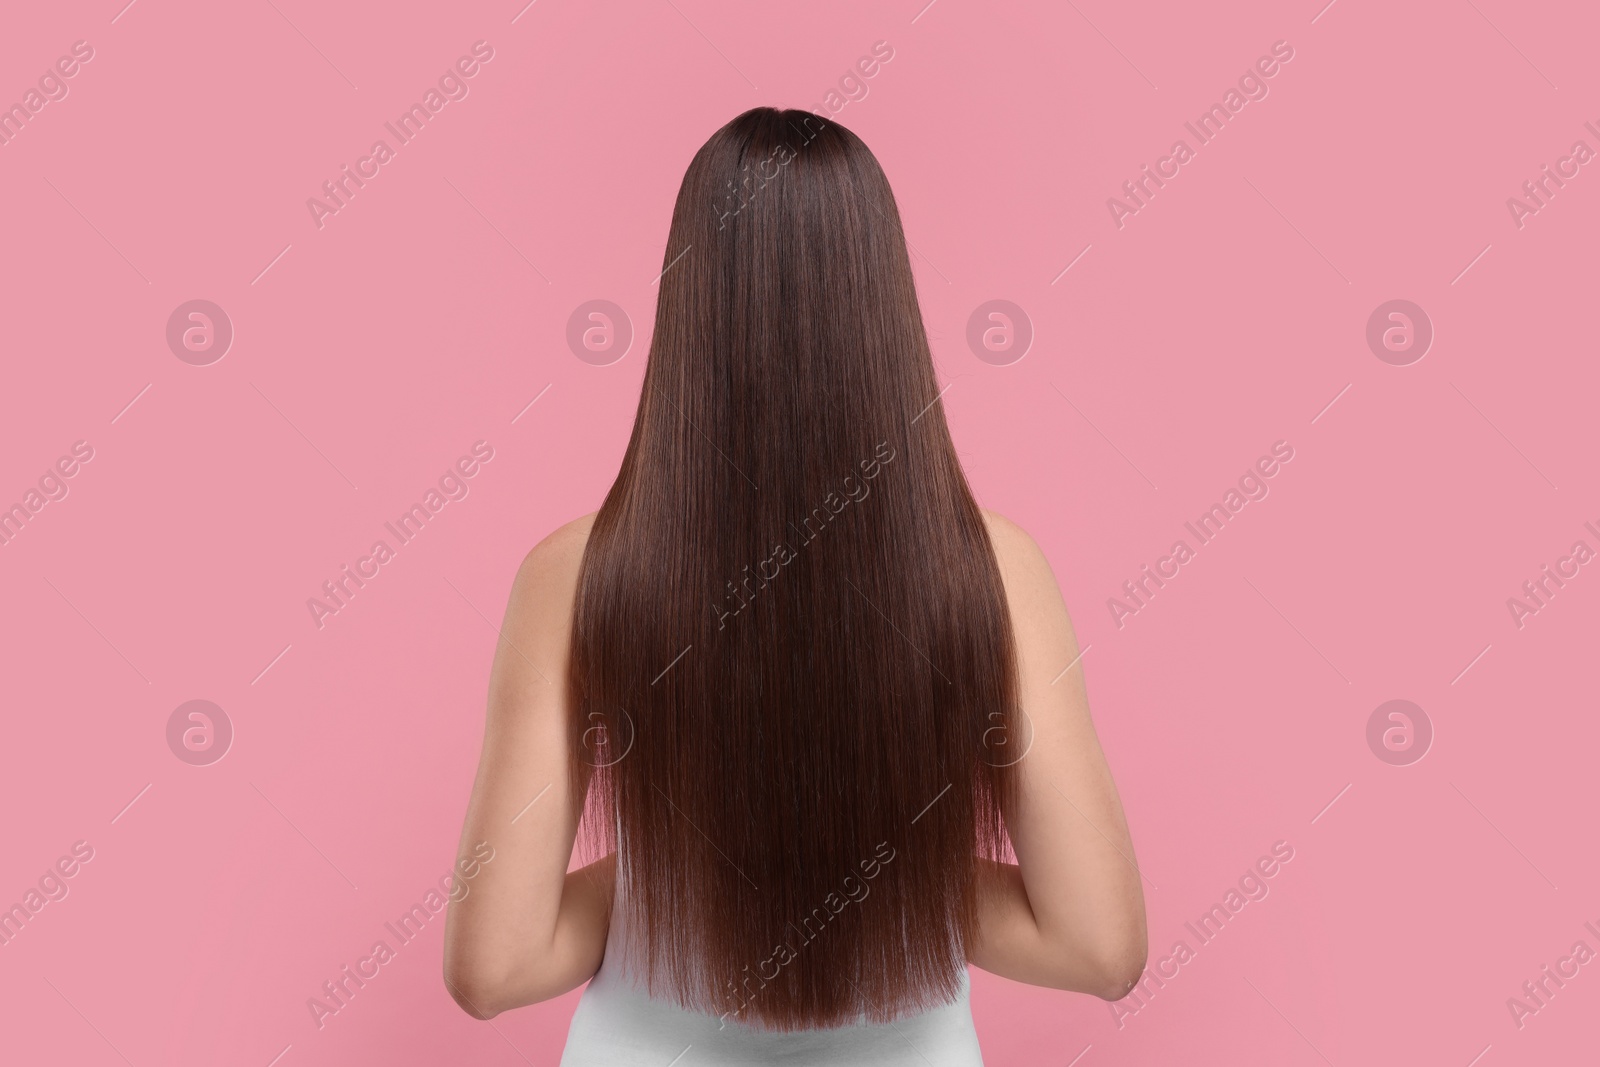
791 655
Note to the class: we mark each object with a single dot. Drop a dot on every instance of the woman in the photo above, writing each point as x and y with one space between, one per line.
806 698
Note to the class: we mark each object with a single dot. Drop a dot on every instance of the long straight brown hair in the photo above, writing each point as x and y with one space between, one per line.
793 676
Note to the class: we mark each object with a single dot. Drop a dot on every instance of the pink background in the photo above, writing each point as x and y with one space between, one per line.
426 314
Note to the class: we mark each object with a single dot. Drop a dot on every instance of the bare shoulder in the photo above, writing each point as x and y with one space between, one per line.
1038 611
1023 566
536 634
561 550
1007 536
547 580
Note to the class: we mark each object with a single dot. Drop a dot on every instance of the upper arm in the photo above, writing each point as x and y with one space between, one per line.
525 930
1072 915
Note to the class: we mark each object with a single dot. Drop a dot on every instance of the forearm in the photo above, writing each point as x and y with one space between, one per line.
569 957
1011 944
509 914
1097 948
1080 874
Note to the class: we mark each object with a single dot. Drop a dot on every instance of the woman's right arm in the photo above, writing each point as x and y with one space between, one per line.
1070 913
527 928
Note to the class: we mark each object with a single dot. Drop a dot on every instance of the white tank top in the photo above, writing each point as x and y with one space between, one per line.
617 1024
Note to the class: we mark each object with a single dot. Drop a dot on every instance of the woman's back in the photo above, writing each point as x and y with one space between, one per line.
618 1023
530 929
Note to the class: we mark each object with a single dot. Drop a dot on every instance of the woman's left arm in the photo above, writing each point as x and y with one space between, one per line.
526 929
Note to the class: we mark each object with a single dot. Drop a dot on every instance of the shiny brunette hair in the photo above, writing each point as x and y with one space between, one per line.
793 677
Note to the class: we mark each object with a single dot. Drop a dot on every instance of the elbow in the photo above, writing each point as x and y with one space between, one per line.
1118 977
477 994
1122 955
1109 971
484 989
1119 969
1110 964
